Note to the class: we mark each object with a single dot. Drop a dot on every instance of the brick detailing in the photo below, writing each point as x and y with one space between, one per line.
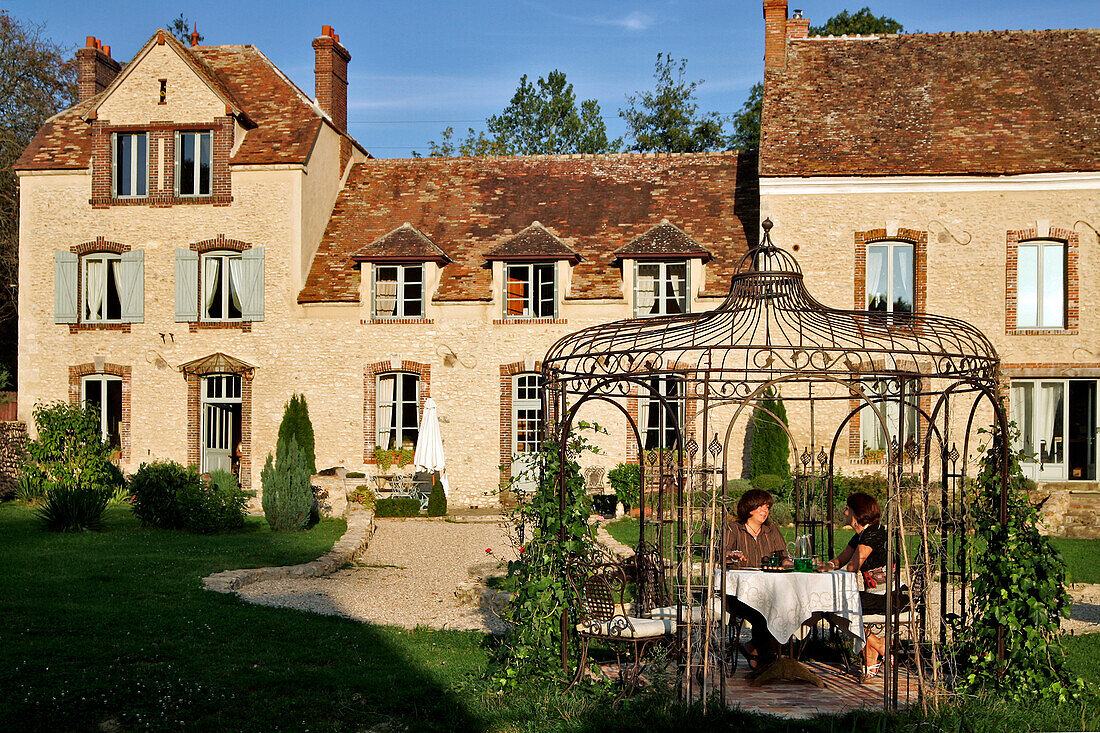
775 35
918 239
95 69
219 243
395 321
370 388
194 424
76 375
1070 239
529 321
13 437
242 326
330 69
507 371
161 191
99 244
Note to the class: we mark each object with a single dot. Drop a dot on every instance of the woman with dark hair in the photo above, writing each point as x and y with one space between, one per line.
866 553
749 538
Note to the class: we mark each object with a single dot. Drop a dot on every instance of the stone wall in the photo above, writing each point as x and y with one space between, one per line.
13 436
1069 512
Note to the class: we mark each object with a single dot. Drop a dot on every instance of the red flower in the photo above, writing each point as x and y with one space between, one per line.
489 550
522 548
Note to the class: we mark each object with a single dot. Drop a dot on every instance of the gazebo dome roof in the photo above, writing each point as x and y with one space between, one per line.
768 327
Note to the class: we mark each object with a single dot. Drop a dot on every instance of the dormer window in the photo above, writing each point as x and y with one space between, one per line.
398 291
531 290
131 164
660 288
193 156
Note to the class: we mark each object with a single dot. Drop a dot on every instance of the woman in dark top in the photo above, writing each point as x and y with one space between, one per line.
747 540
866 553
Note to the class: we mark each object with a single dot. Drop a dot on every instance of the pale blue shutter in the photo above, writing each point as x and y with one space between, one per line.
64 287
131 288
187 285
252 284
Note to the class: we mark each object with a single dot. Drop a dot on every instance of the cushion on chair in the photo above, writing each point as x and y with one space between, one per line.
690 614
879 618
640 628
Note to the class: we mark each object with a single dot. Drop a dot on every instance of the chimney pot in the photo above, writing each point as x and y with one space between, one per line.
95 68
107 50
326 30
90 42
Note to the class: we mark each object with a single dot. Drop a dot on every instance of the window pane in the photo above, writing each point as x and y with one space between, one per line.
878 295
204 163
902 301
646 289
1050 432
544 302
1053 286
113 412
676 289
385 291
187 164
140 142
1027 289
123 175
518 289
113 303
1022 410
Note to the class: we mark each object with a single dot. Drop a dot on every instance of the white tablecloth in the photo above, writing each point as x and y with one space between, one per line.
788 600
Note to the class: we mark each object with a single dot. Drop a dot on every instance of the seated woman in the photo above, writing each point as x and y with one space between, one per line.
866 553
748 539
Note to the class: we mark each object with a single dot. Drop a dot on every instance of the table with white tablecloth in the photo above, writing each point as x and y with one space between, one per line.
787 600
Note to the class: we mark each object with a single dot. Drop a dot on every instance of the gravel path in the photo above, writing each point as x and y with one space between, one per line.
407 577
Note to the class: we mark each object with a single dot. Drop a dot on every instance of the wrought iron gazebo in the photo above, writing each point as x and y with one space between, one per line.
927 381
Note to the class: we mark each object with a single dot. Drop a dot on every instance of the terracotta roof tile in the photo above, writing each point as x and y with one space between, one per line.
534 242
595 204
63 142
663 240
960 103
403 243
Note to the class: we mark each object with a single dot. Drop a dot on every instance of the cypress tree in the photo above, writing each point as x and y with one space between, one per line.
771 449
296 424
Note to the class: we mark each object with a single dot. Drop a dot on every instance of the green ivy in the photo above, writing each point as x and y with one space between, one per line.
1019 583
532 646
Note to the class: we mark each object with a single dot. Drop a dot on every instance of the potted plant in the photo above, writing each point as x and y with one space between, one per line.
384 459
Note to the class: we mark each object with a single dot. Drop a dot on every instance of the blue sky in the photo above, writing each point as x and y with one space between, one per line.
420 66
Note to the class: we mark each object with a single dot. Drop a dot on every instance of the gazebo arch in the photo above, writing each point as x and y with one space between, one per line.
904 370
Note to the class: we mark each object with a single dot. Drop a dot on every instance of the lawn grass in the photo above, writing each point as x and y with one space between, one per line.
113 631
1082 559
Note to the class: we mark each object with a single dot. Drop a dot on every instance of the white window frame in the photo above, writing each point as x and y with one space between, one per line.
200 137
139 183
403 305
103 379
397 428
658 436
872 436
224 258
229 389
526 397
660 304
541 282
891 246
1035 271
108 275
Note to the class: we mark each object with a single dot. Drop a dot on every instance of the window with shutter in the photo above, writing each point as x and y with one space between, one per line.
187 286
64 286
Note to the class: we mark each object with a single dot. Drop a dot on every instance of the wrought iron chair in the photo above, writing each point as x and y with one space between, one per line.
593 479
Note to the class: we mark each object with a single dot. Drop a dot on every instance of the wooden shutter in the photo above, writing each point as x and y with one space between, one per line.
252 284
187 285
65 266
131 288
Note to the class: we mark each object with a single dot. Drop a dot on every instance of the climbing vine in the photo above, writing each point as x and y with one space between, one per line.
1019 583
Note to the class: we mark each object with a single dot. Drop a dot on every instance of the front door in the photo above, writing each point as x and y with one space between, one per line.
221 422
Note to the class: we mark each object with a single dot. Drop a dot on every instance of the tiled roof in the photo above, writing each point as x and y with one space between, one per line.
403 243
960 103
534 242
663 240
594 204
287 122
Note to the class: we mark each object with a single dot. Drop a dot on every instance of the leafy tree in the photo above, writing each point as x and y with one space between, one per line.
746 123
296 424
475 144
861 22
181 28
37 80
771 450
666 120
287 496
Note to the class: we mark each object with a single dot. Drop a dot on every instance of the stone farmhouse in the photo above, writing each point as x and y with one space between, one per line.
200 239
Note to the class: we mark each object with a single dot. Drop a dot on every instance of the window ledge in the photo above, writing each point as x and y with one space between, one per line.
867 461
395 321
243 326
112 326
160 200
528 321
1041 332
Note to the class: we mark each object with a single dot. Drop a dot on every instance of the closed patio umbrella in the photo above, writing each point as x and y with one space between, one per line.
429 446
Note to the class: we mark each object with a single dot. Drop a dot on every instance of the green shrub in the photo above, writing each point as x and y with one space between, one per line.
363 495
287 496
397 506
625 479
218 506
769 482
73 508
781 514
437 500
296 424
159 492
771 449
30 488
355 474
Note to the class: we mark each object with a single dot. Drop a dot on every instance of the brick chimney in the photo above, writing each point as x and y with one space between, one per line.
797 26
95 68
330 69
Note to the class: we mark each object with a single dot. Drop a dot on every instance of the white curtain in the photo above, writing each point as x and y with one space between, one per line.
903 275
675 292
1052 400
384 404
385 297
876 272
647 287
116 272
210 282
93 289
235 281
